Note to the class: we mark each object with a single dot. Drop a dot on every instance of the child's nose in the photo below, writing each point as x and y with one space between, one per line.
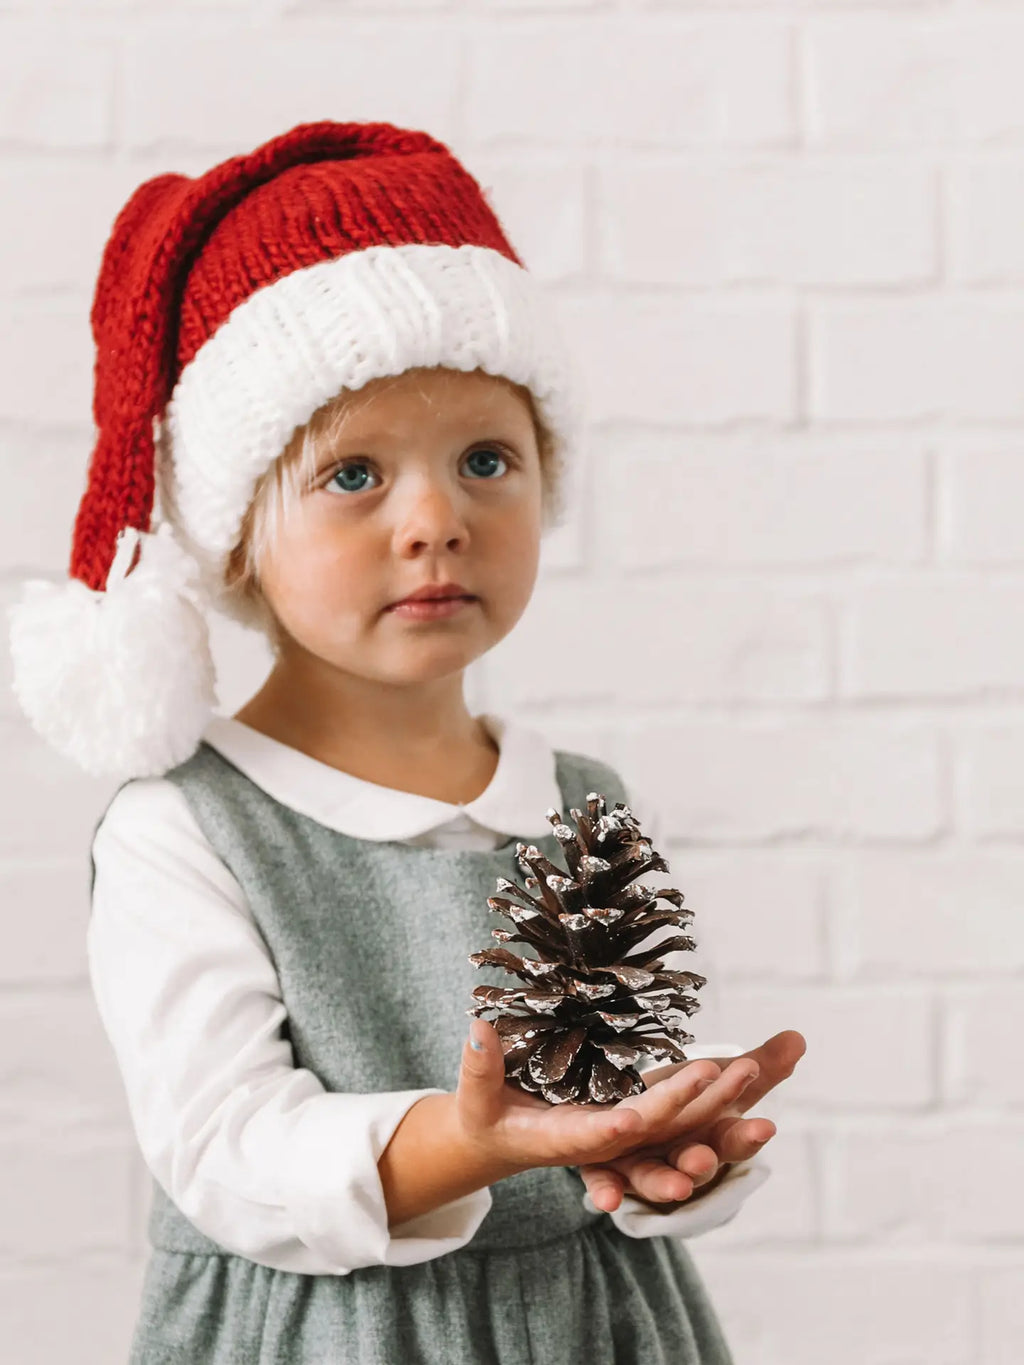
431 517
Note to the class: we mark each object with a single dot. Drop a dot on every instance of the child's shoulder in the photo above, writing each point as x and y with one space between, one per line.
149 848
153 808
148 813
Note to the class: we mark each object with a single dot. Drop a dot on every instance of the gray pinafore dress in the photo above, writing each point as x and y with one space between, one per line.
371 942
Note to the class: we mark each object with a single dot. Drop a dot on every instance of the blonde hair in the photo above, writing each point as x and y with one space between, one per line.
280 487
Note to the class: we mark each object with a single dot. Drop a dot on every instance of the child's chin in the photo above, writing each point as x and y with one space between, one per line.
430 660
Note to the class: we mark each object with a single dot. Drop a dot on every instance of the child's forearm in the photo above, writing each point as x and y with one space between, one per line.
428 1162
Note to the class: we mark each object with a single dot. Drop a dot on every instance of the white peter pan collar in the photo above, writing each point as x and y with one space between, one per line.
523 787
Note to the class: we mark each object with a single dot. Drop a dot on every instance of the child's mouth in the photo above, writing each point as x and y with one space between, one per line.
431 608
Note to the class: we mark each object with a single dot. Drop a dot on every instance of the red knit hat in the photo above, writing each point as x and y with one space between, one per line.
229 307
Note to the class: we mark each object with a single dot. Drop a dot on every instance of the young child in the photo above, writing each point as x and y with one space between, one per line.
329 368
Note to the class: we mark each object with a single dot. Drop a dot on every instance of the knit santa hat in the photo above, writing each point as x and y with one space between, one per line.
228 308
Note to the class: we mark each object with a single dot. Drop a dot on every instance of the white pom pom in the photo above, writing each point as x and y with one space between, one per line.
120 681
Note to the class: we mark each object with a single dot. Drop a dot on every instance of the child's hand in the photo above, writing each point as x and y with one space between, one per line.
512 1130
672 1171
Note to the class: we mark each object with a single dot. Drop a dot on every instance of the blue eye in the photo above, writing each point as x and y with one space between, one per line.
489 454
340 479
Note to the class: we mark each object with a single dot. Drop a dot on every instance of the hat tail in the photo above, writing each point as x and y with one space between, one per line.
121 681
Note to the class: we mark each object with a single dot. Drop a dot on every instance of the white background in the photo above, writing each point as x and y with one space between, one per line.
787 243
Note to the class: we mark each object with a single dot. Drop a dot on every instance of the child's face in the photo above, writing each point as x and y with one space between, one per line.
434 477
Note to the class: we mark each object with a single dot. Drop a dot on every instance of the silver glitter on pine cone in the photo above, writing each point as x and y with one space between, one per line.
593 1002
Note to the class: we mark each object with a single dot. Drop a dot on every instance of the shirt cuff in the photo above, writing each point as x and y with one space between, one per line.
718 1206
335 1195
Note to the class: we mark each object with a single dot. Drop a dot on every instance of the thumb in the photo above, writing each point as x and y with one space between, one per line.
482 1075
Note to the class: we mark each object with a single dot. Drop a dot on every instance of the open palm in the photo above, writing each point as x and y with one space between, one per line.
513 1130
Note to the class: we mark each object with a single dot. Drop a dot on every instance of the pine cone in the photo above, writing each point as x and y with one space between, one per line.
590 1006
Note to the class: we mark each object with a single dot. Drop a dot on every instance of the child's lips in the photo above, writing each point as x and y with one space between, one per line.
431 608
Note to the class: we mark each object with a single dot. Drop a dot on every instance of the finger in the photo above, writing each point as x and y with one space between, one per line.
709 1116
732 1139
745 1138
697 1161
654 1074
605 1186
776 1058
737 1077
654 1178
648 1177
670 1174
724 1091
661 1103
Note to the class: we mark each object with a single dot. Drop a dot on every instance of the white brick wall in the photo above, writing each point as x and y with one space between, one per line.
786 242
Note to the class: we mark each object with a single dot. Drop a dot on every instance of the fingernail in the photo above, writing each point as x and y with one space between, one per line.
474 1042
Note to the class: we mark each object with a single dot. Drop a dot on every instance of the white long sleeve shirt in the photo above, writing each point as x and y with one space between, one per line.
252 1149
